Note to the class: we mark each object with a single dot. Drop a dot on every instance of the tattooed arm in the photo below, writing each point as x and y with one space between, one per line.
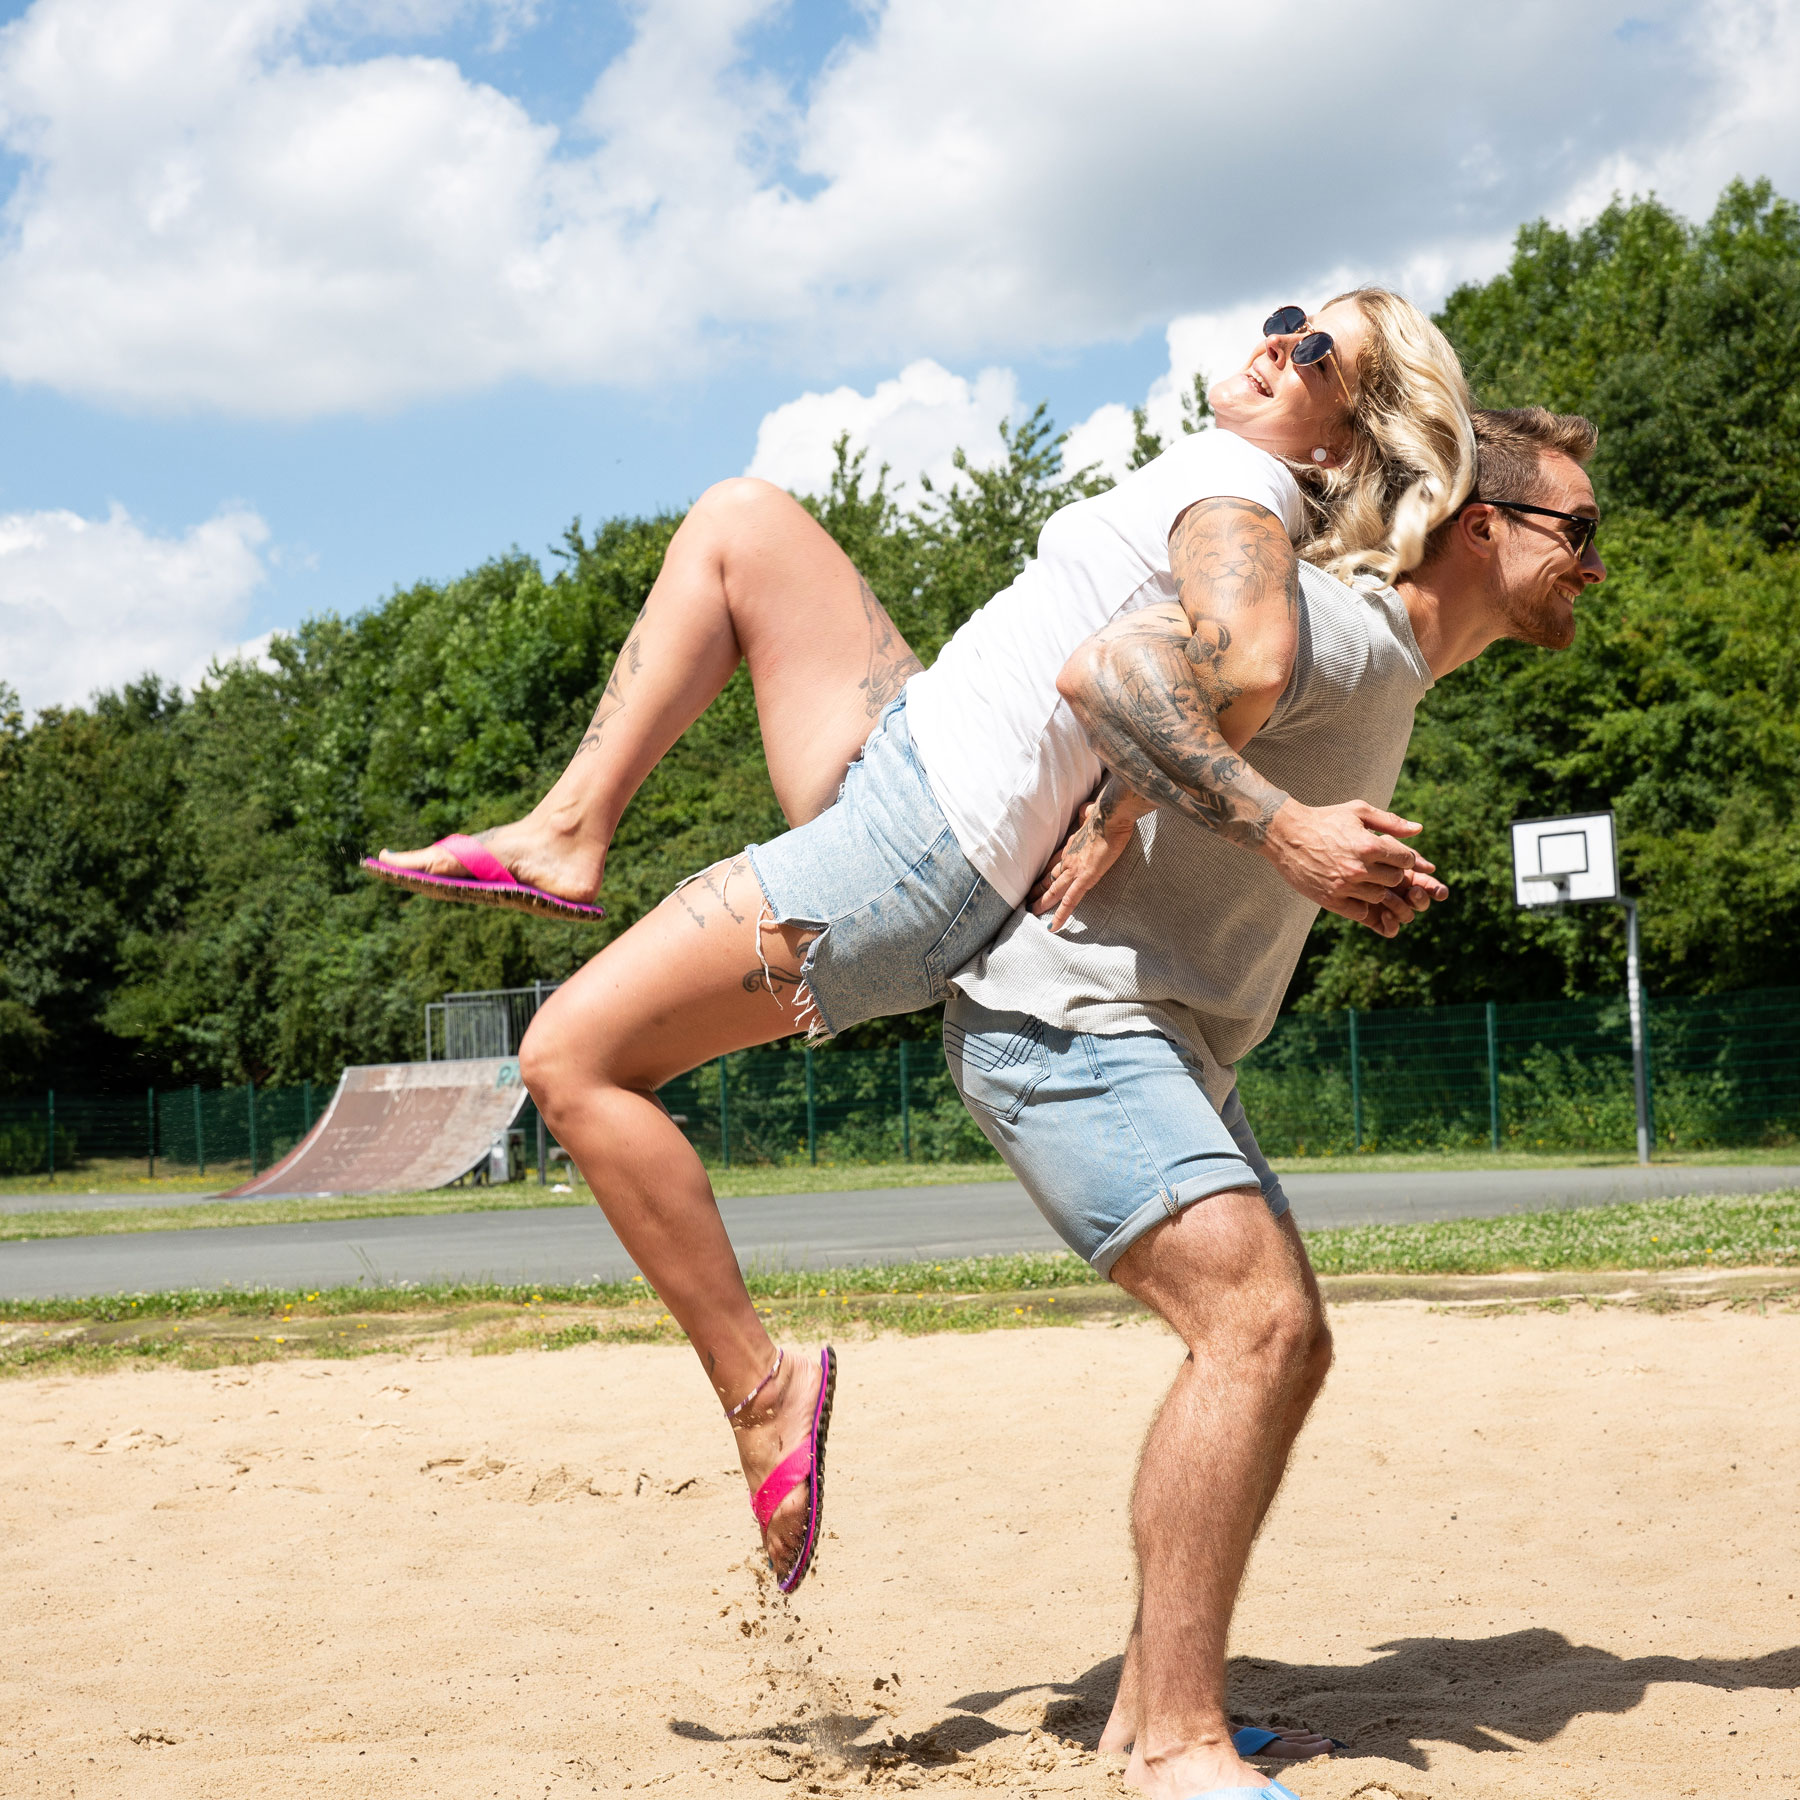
1171 695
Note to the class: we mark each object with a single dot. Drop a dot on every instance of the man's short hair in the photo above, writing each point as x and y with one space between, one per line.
1510 443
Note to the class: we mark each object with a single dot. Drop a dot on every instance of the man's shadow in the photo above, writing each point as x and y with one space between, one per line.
1526 1686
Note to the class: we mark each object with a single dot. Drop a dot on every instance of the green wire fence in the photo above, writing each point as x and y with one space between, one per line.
1724 1071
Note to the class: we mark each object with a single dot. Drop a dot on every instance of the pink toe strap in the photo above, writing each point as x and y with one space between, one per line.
786 1475
477 858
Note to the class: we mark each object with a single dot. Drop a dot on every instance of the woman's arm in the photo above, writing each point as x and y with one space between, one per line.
1170 696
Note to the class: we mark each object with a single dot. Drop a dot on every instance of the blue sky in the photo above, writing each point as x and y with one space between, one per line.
301 300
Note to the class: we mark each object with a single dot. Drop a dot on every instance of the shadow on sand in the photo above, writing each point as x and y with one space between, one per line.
1489 1693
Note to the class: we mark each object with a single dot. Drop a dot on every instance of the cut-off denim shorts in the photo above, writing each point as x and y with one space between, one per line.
1108 1135
880 877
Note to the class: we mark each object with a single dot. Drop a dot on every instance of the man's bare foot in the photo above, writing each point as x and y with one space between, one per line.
1182 1770
779 1422
1286 1746
532 851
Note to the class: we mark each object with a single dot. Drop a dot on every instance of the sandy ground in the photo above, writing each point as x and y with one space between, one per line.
1532 1555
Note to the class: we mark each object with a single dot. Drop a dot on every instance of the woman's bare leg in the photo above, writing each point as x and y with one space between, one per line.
749 575
684 984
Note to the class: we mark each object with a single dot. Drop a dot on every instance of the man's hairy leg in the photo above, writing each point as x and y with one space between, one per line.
1236 1287
1294 1746
749 576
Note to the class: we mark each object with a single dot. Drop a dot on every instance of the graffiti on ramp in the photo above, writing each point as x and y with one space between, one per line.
393 1128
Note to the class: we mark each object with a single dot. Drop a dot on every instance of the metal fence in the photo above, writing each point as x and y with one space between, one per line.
1724 1071
489 1023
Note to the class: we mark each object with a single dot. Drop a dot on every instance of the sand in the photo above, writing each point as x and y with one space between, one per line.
1529 1555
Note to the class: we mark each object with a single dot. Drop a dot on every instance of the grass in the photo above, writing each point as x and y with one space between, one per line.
203 1330
57 1222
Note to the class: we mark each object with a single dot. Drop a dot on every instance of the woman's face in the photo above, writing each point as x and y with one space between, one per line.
1290 410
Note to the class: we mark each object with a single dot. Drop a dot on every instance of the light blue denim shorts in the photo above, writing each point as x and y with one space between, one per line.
880 875
1109 1135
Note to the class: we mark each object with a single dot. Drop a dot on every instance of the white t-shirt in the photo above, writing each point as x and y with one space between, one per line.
1007 760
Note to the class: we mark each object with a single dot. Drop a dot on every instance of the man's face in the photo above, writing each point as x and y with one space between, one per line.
1539 576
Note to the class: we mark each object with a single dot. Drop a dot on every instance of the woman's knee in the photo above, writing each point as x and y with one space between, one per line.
739 504
549 1065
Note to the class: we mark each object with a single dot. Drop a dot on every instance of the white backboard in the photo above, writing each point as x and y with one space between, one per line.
1556 861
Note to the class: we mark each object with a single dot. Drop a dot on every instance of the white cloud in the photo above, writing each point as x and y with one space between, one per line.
914 423
226 206
94 603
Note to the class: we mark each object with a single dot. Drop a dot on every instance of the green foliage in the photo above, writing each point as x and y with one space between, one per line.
183 904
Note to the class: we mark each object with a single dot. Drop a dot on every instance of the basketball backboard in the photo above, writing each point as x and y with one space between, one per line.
1556 861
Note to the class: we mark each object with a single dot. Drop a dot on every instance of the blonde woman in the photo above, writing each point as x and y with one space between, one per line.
1347 431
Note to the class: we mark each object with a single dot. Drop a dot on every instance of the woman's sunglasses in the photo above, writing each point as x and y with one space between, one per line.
1310 347
1580 535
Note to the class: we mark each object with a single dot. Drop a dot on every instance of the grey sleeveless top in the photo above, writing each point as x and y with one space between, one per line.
1188 934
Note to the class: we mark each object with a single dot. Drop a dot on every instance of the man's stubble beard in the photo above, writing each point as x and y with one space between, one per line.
1546 621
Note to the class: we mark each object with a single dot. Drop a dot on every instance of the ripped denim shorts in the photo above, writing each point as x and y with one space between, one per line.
879 875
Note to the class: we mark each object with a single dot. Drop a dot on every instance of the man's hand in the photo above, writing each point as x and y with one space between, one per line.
1094 846
1349 860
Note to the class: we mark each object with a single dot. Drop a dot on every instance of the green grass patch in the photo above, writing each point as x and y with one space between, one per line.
1708 1230
55 1222
204 1329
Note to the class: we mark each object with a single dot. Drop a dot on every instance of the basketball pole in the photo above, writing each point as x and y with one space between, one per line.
1640 1074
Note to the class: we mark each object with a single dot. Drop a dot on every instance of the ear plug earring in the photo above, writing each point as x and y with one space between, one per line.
1321 454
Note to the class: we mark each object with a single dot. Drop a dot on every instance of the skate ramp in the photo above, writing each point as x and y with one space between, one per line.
393 1128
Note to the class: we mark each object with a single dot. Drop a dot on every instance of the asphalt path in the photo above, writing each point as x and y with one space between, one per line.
928 1224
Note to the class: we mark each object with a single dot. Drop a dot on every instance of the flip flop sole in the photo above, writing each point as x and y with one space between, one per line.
483 893
815 1503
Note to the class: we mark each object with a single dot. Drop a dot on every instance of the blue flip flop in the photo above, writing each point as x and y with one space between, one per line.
1274 1791
1253 1740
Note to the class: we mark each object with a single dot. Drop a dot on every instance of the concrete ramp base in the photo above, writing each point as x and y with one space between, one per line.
393 1128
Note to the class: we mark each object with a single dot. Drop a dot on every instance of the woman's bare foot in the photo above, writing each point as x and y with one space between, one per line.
533 850
779 1422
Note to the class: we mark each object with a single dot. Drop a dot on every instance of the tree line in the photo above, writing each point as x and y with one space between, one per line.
182 901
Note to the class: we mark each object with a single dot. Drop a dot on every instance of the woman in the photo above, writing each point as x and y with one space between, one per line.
959 797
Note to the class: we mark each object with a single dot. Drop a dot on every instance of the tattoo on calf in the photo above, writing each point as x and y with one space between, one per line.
612 698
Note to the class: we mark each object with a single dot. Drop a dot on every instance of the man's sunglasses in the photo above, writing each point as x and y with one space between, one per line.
1579 536
1311 347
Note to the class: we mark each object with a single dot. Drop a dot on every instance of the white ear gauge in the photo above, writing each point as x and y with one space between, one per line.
1321 454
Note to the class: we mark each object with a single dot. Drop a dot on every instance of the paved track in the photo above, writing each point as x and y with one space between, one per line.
568 1244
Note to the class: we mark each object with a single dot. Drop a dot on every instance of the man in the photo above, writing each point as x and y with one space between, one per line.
1100 1060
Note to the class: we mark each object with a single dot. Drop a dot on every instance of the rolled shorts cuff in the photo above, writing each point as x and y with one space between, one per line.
1166 1205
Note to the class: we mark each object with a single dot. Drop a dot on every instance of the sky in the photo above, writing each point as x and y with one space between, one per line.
305 300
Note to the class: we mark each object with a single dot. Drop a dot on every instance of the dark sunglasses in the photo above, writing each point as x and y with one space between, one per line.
1312 347
1582 530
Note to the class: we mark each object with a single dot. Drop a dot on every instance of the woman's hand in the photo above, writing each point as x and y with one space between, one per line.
1094 846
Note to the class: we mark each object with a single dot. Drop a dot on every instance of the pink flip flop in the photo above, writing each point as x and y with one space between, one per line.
806 1462
489 882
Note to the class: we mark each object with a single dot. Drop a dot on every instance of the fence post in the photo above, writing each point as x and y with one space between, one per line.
250 1098
812 1111
1355 1083
724 1115
50 1135
905 1111
150 1128
199 1133
1493 1036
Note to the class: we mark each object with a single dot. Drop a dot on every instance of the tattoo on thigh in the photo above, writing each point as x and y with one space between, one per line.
718 879
771 980
891 662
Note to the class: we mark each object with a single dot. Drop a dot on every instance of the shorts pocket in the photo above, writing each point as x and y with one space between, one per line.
998 1070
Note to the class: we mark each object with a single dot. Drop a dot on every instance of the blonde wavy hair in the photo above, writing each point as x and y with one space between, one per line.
1412 461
